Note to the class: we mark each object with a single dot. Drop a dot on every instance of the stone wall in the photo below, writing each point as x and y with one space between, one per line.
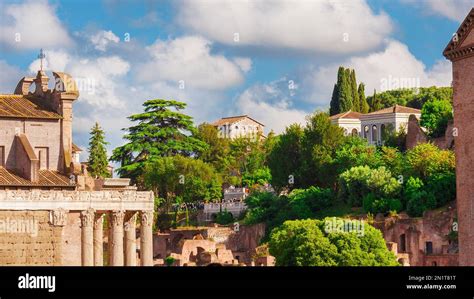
412 234
40 246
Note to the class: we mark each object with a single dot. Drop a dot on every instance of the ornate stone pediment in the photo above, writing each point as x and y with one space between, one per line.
462 42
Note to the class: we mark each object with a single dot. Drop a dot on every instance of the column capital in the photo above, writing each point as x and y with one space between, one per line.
87 217
118 217
146 217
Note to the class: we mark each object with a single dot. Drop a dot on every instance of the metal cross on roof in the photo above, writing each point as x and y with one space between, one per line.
41 56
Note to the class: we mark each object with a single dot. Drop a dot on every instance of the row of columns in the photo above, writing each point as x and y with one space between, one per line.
122 238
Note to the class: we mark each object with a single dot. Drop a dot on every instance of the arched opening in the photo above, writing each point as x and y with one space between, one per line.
374 134
354 132
366 132
383 132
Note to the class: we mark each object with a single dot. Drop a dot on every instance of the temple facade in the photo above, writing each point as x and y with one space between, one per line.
51 211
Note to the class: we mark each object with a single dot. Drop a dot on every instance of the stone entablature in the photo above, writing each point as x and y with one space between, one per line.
122 207
76 200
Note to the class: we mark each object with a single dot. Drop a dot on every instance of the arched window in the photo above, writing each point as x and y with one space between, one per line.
366 132
383 132
354 132
374 133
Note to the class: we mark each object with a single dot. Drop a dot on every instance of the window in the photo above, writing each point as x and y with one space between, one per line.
366 132
2 156
374 133
42 153
429 247
403 246
354 132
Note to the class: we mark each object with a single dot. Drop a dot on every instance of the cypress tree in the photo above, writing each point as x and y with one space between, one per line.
97 163
364 106
345 96
375 103
355 93
334 105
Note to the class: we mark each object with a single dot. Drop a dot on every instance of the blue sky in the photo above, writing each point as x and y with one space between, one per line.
223 57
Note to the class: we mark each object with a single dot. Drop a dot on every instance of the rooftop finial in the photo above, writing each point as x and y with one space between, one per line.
41 56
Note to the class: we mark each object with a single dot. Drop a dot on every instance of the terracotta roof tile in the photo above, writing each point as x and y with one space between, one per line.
347 114
47 178
21 106
233 119
397 109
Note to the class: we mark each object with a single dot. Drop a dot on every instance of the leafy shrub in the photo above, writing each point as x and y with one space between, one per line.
417 198
224 218
358 182
307 243
375 205
443 186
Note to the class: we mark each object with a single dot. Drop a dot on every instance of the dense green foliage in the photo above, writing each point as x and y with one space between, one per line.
435 116
224 218
347 95
299 204
410 97
97 164
160 131
309 243
182 178
358 182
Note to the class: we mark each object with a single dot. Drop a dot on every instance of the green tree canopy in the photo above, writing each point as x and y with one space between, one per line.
435 116
310 243
184 177
285 158
97 164
320 141
160 131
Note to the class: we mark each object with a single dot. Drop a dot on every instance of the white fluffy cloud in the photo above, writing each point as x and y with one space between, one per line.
453 9
32 25
9 76
271 104
102 39
189 59
97 79
333 26
394 67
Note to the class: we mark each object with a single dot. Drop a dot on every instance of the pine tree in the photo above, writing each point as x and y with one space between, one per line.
364 106
355 93
345 97
97 163
161 131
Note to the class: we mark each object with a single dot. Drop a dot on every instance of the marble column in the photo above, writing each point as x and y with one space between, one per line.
117 238
130 239
146 238
87 240
99 240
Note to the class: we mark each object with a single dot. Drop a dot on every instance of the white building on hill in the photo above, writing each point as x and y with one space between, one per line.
372 125
238 126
